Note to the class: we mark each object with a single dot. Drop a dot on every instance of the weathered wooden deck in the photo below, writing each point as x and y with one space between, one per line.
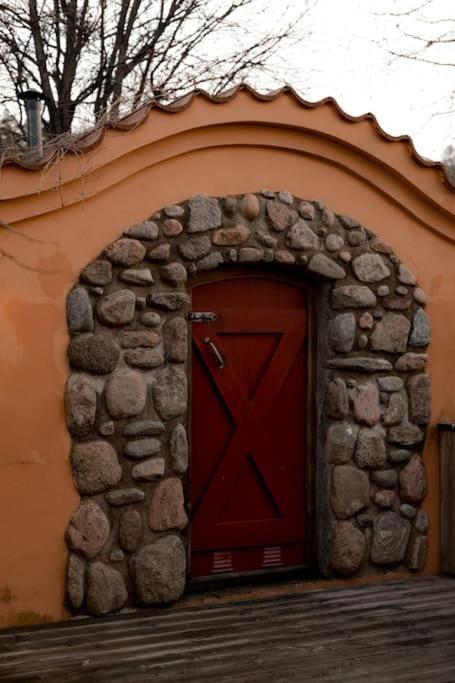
401 631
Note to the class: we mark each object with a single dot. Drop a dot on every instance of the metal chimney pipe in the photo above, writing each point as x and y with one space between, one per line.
34 126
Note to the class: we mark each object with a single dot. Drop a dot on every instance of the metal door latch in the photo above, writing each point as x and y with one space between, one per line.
202 317
215 352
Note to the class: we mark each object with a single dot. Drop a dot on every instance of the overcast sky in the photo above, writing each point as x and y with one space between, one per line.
347 56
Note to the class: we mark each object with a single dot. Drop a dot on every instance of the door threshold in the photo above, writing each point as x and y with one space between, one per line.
251 578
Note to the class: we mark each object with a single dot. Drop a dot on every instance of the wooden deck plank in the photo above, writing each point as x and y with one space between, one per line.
395 630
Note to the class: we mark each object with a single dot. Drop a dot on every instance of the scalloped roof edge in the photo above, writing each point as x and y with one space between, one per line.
86 141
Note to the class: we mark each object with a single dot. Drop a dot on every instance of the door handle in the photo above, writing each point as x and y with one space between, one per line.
215 352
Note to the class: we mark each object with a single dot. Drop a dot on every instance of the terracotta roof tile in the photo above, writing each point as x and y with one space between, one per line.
87 141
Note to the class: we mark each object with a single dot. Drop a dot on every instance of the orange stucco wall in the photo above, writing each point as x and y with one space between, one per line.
84 203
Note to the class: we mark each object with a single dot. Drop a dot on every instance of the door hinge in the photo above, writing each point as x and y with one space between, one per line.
202 317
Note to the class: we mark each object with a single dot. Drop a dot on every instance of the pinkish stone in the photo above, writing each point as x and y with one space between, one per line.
367 409
88 529
167 506
230 237
250 206
172 227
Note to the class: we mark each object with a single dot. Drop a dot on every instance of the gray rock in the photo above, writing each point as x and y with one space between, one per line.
160 253
168 301
174 273
405 276
370 268
117 308
141 448
174 211
383 290
130 530
349 222
125 496
301 236
210 262
106 590
390 538
148 230
350 491
138 276
159 571
370 450
126 393
360 364
408 511
391 334
336 400
132 339
98 272
411 361
419 392
176 340
281 217
125 252
75 581
322 265
148 470
421 523
399 456
342 332
419 296
348 548
352 296
178 449
390 384
79 312
95 466
286 197
413 481
106 428
93 353
116 556
405 434
170 392
395 411
150 319
143 428
88 529
386 479
265 238
80 405
144 358
366 408
418 553
195 248
340 443
333 242
167 506
355 238
420 332
205 214
307 211
250 255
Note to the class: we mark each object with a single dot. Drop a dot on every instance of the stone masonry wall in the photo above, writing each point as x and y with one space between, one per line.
127 395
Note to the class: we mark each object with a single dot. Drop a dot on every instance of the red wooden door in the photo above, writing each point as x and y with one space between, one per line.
248 426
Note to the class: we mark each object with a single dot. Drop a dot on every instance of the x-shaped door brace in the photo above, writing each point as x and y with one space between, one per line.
250 436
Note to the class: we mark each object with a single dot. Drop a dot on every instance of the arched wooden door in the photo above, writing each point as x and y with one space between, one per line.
248 425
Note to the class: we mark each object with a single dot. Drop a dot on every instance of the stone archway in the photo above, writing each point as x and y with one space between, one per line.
127 396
